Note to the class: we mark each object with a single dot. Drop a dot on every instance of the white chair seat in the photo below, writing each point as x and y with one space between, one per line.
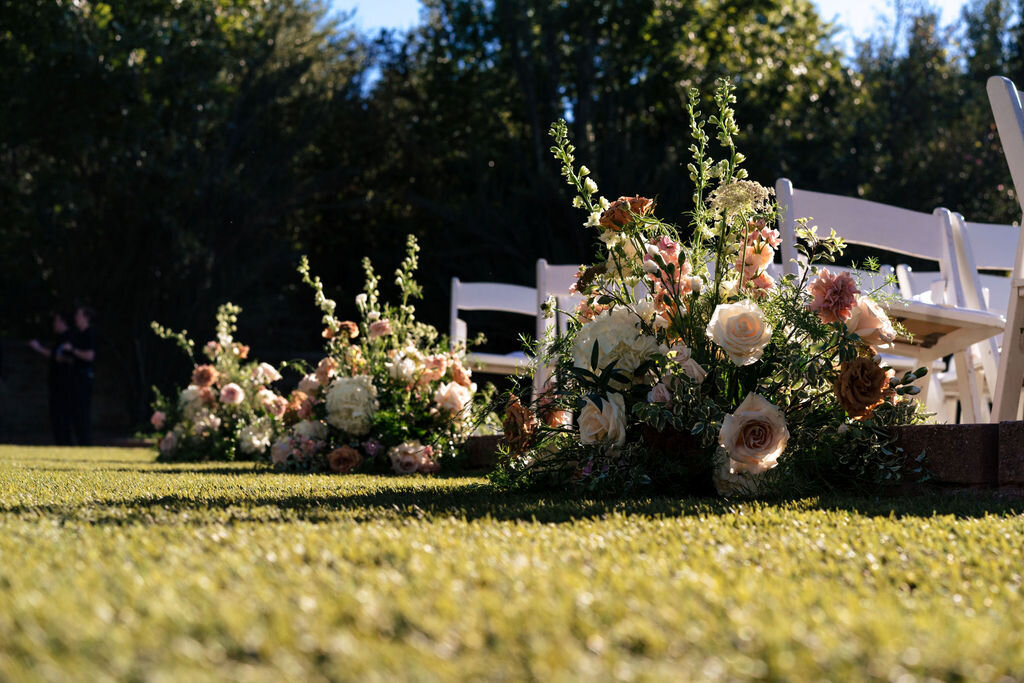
500 363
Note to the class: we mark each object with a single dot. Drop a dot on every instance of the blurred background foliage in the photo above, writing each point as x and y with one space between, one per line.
158 158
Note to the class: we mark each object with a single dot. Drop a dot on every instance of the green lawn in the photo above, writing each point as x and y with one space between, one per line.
115 567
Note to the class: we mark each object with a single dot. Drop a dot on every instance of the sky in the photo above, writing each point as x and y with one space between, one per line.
856 18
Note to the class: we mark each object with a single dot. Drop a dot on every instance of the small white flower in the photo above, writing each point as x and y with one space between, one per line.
577 202
361 300
373 315
593 220
590 186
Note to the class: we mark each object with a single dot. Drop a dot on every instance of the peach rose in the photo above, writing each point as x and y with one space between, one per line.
620 213
343 460
755 435
519 426
740 329
232 394
869 322
606 424
158 419
862 386
326 369
204 376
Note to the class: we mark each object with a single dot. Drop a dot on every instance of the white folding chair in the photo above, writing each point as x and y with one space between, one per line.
491 296
553 281
1009 115
912 233
986 246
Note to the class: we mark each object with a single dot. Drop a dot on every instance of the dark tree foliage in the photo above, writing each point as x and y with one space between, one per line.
158 158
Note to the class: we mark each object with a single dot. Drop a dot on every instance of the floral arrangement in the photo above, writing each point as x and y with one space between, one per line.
229 409
687 364
388 395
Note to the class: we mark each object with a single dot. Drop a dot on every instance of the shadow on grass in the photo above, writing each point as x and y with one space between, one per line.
474 502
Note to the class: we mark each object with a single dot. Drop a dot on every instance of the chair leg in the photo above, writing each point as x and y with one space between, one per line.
967 385
1011 360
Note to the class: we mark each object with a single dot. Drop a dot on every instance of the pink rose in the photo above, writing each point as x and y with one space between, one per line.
168 443
158 419
834 296
232 394
659 394
309 385
380 328
265 373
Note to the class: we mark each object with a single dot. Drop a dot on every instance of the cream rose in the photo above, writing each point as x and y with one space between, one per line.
606 424
452 397
740 329
754 436
869 322
280 451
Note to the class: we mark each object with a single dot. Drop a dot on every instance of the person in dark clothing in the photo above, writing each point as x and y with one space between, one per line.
59 379
82 349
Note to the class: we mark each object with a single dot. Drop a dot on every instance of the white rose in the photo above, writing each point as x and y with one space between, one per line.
659 394
452 397
618 339
754 436
869 322
315 430
606 424
352 403
741 331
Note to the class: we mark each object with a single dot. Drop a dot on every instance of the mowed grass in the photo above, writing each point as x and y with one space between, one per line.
114 567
